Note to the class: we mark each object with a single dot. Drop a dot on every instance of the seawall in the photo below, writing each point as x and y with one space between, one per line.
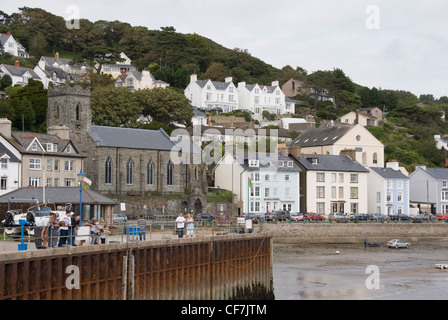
354 232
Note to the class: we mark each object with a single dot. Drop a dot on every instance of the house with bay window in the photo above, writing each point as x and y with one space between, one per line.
331 183
259 182
429 189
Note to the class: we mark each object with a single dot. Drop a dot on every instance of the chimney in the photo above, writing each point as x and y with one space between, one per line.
351 153
393 164
228 79
123 72
62 132
193 78
275 83
56 57
5 127
295 151
16 63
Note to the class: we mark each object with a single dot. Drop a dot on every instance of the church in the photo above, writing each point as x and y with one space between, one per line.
126 161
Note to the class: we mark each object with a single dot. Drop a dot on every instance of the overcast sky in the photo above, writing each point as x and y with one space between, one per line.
395 44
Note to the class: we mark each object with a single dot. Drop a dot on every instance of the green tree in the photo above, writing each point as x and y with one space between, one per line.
5 81
115 107
165 105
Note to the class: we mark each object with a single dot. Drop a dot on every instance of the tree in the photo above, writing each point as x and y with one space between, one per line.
165 105
216 72
5 81
115 107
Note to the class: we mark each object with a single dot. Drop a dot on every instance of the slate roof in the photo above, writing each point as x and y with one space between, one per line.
330 163
131 138
268 163
269 89
5 150
437 173
56 195
389 173
322 136
218 85
20 71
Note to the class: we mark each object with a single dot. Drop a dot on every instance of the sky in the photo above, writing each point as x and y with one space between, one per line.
395 44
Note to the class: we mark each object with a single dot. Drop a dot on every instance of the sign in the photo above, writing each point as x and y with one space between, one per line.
123 206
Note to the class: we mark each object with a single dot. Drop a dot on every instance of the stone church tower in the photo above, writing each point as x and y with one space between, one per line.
70 106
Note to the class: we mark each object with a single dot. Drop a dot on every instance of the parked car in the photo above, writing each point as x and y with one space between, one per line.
278 215
119 218
442 216
255 217
297 216
362 217
338 217
397 243
422 217
204 217
314 216
379 217
398 217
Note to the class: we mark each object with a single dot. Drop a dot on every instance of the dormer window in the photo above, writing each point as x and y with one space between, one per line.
290 164
34 146
68 149
49 147
254 163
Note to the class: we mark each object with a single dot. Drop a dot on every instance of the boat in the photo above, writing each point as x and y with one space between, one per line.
373 244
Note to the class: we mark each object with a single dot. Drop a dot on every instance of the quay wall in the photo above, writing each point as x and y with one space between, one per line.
353 232
203 268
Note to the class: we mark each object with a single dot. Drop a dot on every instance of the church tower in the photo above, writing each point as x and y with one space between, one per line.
70 106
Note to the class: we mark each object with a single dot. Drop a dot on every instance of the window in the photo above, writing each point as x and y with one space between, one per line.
333 192
130 172
320 192
354 178
35 164
266 192
399 196
400 185
34 182
353 192
266 177
320 207
444 195
169 174
320 177
56 182
69 182
49 164
375 158
56 165
378 197
286 177
389 196
49 147
333 177
68 149
69 165
341 192
444 208
4 163
150 174
341 178
353 208
257 191
34 146
108 171
78 111
48 182
364 158
3 181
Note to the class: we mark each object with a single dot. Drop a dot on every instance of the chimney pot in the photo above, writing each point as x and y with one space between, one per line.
56 56
17 63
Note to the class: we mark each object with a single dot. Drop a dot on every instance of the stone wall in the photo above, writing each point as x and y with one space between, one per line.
353 233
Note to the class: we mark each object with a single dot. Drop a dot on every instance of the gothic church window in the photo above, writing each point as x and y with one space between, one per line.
169 174
108 171
130 172
150 174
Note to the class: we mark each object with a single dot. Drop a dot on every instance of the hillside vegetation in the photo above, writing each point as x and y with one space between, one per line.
407 131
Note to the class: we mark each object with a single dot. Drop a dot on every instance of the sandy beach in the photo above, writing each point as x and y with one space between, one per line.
307 272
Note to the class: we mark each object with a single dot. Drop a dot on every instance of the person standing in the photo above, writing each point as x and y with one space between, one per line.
180 225
365 242
64 225
142 228
53 231
94 230
74 223
190 226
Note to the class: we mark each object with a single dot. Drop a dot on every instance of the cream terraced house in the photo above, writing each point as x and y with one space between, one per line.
342 139
332 184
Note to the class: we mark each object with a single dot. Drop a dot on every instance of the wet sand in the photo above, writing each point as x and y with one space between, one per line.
309 272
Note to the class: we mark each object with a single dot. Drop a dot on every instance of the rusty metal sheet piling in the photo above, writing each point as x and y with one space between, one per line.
210 268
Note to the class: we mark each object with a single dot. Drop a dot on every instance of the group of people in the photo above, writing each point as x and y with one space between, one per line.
57 232
181 221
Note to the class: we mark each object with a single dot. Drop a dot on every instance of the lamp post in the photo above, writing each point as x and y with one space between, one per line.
80 178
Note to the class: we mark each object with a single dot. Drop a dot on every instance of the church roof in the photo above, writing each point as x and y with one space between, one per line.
130 138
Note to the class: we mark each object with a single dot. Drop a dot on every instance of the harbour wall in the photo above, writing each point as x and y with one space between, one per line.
203 268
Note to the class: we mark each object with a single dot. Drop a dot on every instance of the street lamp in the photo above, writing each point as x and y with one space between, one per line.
80 178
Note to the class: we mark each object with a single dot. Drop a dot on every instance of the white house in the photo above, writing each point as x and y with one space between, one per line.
332 184
262 183
258 98
11 46
388 190
116 69
18 74
212 95
136 80
10 161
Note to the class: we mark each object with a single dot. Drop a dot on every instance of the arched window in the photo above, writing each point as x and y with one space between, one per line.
169 174
108 171
150 174
375 158
130 172
364 158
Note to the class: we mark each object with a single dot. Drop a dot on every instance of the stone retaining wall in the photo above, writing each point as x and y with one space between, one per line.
353 233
